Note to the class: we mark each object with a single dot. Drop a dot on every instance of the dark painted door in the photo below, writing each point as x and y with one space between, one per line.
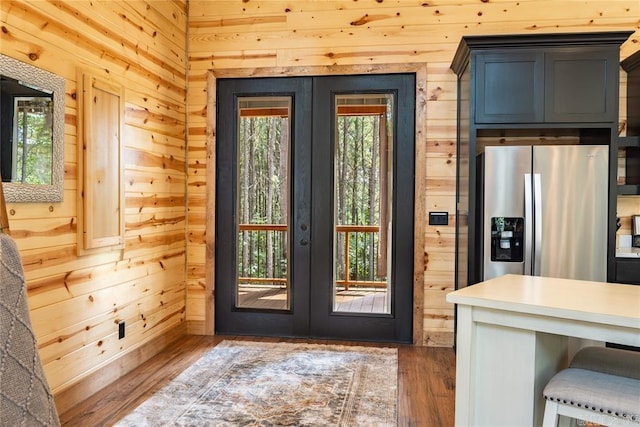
314 207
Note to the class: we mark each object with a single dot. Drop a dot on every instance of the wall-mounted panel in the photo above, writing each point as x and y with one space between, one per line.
101 189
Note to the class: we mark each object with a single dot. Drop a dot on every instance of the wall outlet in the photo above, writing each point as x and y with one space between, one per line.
121 329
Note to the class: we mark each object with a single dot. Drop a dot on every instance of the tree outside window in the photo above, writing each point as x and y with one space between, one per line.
33 141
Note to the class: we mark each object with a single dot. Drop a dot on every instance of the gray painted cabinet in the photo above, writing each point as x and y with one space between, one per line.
547 85
541 89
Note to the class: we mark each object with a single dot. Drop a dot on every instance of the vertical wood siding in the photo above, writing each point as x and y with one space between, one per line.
252 34
76 301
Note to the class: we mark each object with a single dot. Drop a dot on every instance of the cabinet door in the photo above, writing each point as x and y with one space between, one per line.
581 85
628 271
509 87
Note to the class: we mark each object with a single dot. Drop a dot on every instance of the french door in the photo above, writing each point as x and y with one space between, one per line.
314 207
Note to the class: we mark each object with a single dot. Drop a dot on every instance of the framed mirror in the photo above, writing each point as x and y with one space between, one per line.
31 132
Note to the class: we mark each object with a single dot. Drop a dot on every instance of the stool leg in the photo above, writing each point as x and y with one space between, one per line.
564 421
550 414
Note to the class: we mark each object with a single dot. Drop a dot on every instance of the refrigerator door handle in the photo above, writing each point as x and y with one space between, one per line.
528 224
537 229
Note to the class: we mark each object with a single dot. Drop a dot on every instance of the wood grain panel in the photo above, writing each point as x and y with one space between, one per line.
441 185
133 27
93 383
76 300
62 286
101 198
345 14
142 139
103 351
439 260
159 122
92 331
80 308
155 222
201 41
442 166
46 261
45 232
152 182
25 20
149 161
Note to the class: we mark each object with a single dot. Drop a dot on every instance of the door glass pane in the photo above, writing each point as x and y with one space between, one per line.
263 203
363 198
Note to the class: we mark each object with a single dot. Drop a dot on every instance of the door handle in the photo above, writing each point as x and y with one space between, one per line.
537 228
528 225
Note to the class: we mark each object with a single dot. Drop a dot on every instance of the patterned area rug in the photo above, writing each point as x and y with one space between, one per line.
278 384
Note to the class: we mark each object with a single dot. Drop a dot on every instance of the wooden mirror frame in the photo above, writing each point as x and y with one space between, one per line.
40 78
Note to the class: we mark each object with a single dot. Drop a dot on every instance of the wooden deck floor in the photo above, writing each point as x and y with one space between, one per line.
426 382
353 300
263 298
362 301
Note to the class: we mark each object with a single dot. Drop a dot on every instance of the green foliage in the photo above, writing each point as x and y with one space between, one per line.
357 136
263 190
34 141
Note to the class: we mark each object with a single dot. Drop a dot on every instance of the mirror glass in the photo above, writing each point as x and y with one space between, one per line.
31 132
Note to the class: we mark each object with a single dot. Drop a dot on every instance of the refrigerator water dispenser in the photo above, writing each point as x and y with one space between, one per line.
507 239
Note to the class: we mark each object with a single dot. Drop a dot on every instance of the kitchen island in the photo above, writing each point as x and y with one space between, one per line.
512 337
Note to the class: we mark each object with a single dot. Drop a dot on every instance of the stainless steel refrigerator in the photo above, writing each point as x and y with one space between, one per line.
545 211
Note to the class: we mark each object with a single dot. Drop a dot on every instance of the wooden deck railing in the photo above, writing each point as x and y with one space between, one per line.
348 230
346 282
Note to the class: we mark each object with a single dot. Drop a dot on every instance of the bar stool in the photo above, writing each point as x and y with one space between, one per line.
601 385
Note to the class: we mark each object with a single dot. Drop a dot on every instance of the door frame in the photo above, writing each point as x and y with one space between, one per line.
419 264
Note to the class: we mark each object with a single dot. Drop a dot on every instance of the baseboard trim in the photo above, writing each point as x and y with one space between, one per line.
198 327
84 388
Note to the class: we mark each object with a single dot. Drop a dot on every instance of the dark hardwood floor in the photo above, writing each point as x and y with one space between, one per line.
426 382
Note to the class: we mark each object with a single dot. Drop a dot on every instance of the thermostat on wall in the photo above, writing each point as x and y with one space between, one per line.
438 218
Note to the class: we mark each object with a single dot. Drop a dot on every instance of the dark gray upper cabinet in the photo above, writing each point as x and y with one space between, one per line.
632 66
631 143
581 84
538 88
509 87
552 85
553 78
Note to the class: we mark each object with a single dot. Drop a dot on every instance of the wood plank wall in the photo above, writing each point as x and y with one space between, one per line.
252 35
76 301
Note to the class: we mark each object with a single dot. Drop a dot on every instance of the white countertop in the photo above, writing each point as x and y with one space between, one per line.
609 303
513 336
